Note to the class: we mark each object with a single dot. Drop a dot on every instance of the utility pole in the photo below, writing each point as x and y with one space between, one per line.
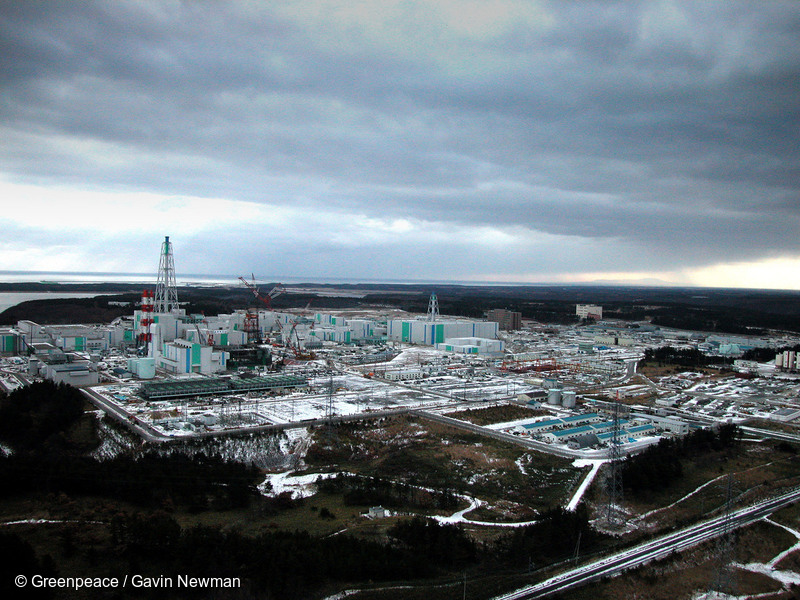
614 481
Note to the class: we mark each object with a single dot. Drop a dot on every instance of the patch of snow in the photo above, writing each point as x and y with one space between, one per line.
786 578
45 522
459 517
300 486
771 564
587 481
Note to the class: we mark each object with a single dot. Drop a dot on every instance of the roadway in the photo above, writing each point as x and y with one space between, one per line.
153 435
653 550
506 437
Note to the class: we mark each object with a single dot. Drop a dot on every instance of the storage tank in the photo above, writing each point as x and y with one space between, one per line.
554 396
568 399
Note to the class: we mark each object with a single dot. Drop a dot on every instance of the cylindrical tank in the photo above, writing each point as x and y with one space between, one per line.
554 396
568 399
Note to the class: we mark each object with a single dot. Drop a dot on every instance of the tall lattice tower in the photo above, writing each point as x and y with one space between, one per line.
166 287
614 516
433 307
724 578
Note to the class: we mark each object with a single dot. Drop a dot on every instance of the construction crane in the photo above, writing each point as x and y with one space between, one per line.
267 300
252 325
294 344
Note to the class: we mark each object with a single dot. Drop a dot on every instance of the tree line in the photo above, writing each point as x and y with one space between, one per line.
659 466
364 491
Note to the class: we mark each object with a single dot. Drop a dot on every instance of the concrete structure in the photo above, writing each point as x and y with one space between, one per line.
613 340
507 319
143 368
62 367
210 386
788 361
183 356
536 427
75 374
569 398
586 440
416 331
671 424
10 341
554 396
784 415
589 311
564 435
472 345
402 374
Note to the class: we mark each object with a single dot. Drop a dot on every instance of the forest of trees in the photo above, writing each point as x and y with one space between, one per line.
552 538
36 419
360 491
683 357
659 466
50 434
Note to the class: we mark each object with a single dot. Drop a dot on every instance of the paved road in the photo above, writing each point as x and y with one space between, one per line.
150 434
506 437
652 550
144 430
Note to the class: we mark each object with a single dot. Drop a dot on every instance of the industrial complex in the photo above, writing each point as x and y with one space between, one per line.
168 374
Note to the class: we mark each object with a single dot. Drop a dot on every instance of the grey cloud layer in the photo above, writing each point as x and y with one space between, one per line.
667 130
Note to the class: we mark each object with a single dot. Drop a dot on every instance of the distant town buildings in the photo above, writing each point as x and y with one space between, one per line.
589 311
507 319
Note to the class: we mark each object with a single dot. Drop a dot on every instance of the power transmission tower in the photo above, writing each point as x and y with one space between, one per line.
330 411
614 488
724 580
166 287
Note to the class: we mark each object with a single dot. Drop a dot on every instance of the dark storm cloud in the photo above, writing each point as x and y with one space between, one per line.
669 129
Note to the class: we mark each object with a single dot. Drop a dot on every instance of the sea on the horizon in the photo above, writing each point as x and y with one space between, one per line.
206 279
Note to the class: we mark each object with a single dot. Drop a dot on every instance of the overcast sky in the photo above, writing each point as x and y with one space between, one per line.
502 140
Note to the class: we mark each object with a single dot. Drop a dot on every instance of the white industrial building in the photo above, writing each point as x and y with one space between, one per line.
402 374
471 345
77 338
61 367
589 311
183 356
143 368
414 331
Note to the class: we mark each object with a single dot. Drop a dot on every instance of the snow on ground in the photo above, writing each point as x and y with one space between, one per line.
520 422
771 564
587 481
460 516
693 492
415 356
786 578
112 442
300 486
43 522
